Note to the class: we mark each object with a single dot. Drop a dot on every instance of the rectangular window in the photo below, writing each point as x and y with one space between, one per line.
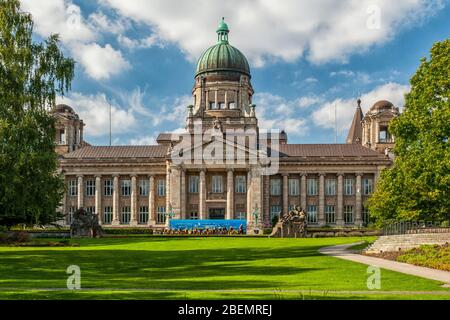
194 182
126 215
330 214
330 187
217 184
241 186
275 187
366 215
312 214
367 186
312 187
349 186
275 211
348 214
144 186
161 214
161 188
241 214
107 215
71 213
108 188
62 137
193 215
90 210
126 188
72 188
90 188
143 215
294 187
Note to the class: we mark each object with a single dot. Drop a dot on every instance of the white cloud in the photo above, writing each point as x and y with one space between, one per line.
321 30
147 42
102 22
143 141
325 116
79 35
59 16
276 112
94 111
100 62
175 112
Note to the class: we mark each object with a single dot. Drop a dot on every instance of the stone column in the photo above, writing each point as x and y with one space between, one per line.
230 194
303 192
134 208
285 193
116 218
202 195
322 199
340 200
151 201
216 99
98 198
183 213
80 192
249 197
226 100
358 203
168 190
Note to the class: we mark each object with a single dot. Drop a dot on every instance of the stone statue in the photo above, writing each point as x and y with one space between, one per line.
291 225
85 224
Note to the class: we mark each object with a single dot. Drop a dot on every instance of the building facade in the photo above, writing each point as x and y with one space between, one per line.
224 166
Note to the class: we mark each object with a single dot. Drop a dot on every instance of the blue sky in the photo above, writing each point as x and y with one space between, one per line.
306 58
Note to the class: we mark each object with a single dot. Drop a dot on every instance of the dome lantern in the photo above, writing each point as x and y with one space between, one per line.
222 32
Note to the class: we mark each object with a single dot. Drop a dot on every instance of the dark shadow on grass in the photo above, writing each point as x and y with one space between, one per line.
174 269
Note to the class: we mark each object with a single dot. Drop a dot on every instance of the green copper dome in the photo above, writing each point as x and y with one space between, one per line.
223 56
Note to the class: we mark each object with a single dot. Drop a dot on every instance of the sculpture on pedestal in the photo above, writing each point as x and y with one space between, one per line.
291 225
85 224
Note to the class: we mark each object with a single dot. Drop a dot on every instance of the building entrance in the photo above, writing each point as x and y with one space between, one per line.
217 214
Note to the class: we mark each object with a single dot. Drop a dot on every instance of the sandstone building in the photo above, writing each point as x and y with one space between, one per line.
225 166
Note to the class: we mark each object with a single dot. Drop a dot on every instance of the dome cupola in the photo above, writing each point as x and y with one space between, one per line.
223 57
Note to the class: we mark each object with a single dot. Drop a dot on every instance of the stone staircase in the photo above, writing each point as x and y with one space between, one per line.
407 241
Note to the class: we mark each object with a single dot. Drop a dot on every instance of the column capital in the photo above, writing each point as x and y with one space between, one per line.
230 169
340 174
285 174
80 176
359 174
115 175
322 174
303 174
98 176
133 176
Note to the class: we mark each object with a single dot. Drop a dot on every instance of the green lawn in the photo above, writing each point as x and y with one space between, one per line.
193 268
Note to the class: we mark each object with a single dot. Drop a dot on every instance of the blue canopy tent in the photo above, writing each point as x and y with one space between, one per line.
207 224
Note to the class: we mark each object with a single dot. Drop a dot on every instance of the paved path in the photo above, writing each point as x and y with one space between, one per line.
341 253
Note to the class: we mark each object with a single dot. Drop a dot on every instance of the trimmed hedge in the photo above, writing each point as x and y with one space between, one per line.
125 231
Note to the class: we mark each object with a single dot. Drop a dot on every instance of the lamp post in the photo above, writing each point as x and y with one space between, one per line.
255 214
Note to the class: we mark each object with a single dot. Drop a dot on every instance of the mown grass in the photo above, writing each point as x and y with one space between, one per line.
176 266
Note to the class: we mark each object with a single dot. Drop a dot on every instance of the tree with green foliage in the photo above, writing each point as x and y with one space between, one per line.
31 76
417 186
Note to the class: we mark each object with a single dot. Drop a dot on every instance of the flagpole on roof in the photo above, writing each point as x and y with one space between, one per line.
110 124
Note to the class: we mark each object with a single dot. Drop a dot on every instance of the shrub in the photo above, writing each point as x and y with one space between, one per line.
267 231
14 237
125 231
